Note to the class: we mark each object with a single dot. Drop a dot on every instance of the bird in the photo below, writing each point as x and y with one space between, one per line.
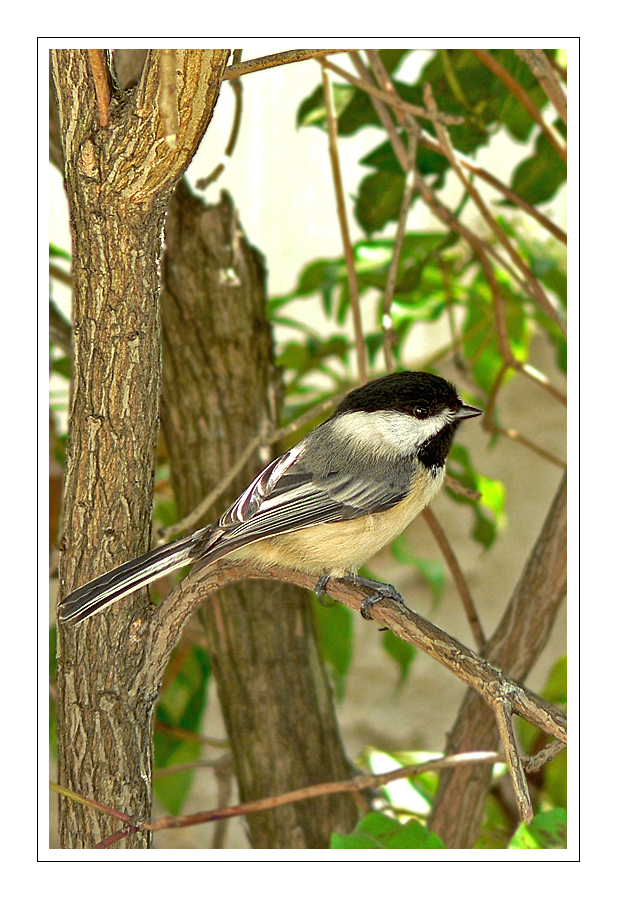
326 505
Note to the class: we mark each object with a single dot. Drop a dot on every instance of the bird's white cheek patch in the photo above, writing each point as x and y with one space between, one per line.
388 431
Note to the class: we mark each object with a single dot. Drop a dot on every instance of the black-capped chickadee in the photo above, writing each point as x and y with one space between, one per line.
341 494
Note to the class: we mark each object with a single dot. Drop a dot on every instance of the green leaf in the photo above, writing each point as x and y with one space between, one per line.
312 111
480 338
401 651
335 629
55 251
537 178
376 831
493 496
312 355
547 831
379 200
555 689
431 570
62 366
180 706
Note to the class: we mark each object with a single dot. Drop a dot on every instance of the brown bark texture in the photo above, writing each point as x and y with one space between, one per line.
218 392
118 181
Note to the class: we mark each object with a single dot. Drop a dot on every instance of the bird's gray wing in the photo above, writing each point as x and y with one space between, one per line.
287 496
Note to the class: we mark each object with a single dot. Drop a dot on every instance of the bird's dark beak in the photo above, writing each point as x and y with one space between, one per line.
467 412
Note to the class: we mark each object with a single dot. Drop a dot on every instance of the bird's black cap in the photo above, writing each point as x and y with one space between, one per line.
403 392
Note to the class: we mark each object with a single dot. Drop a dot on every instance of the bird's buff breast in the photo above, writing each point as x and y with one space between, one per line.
345 544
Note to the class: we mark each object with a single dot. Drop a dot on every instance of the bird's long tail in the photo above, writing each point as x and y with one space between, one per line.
130 576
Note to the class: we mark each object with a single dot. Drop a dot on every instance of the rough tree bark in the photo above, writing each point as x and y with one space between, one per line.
218 392
119 179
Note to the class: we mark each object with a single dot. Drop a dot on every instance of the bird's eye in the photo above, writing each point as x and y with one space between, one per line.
420 412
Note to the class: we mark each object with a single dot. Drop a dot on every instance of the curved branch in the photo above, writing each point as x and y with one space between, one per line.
491 683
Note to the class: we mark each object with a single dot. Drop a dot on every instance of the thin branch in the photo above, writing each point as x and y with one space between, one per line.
380 107
429 142
92 804
275 59
394 100
540 759
391 281
508 192
546 76
458 488
489 425
60 275
534 288
458 577
361 349
504 719
101 85
356 784
517 90
170 616
236 85
413 131
515 435
540 379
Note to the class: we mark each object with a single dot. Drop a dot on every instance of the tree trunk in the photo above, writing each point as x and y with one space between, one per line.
218 392
119 177
459 805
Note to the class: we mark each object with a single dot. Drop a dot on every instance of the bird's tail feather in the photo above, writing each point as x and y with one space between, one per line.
130 576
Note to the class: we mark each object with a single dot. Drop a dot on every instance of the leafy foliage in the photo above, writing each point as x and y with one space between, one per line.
376 831
547 831
179 709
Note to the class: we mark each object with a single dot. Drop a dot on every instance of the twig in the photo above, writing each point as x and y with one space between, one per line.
394 99
357 783
391 281
458 488
275 59
540 759
236 85
534 288
361 349
546 76
169 617
540 379
101 86
381 108
92 804
60 275
525 442
508 192
458 577
429 142
504 718
517 90
409 168
183 734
